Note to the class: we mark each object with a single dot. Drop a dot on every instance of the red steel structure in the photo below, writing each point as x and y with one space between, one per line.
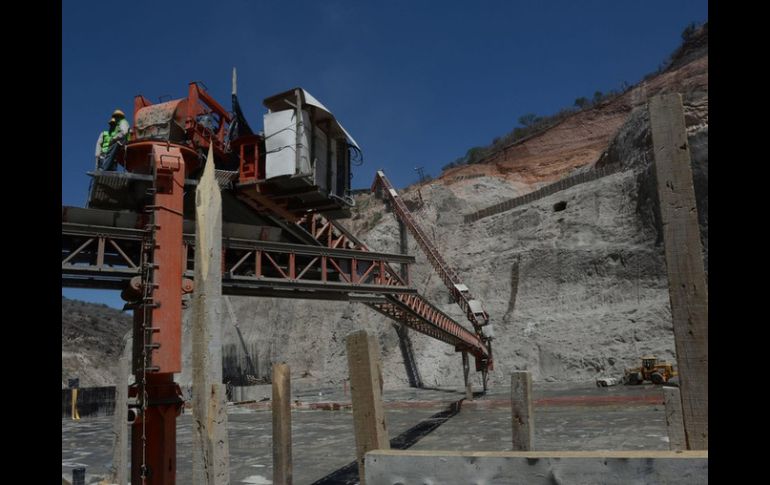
460 293
279 240
413 310
158 326
168 140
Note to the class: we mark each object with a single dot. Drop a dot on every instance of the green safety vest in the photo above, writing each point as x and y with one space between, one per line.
106 137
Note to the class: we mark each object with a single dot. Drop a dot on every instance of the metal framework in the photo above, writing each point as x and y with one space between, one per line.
95 256
146 249
459 291
339 267
412 310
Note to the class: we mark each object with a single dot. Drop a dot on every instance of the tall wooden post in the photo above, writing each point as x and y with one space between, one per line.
282 471
523 420
684 262
365 369
119 468
674 424
210 444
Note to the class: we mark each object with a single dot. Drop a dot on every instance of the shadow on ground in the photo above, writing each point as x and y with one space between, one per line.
348 475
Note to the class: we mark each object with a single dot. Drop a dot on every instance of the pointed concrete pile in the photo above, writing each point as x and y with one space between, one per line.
120 427
210 447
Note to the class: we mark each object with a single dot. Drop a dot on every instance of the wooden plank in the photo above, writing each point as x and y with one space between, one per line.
386 467
282 469
522 418
674 423
365 370
684 262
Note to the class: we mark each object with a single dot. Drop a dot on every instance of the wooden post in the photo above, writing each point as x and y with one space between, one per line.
79 476
365 370
674 424
75 413
211 460
282 472
684 262
73 385
466 372
521 406
119 468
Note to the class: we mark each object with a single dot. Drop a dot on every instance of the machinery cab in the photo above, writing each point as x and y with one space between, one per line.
307 156
649 362
651 370
298 165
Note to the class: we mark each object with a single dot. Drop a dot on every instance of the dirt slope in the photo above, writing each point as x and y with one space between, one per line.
91 337
579 140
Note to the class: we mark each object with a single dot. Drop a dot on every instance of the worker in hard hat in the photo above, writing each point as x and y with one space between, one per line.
103 143
111 141
122 126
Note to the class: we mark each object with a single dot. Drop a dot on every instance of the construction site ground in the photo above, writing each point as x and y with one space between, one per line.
567 417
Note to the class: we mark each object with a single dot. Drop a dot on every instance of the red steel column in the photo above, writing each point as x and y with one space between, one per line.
163 338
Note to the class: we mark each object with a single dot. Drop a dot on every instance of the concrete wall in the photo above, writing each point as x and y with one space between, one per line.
391 467
92 401
251 393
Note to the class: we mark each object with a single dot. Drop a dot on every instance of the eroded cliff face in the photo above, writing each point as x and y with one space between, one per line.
573 293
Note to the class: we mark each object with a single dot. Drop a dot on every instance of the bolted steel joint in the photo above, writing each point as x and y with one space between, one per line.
187 285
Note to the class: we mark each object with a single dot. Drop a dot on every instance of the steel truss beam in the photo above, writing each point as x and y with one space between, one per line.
108 257
477 316
339 267
412 310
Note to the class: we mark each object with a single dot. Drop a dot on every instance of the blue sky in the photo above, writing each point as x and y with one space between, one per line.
416 83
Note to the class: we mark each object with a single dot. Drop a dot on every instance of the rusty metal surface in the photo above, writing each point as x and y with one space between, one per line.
167 273
155 121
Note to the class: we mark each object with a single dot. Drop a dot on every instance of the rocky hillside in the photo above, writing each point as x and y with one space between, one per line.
573 293
91 341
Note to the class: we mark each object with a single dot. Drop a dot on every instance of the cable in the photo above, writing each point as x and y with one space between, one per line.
348 200
356 156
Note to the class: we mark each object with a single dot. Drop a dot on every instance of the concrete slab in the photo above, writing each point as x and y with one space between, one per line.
322 443
567 417
388 467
